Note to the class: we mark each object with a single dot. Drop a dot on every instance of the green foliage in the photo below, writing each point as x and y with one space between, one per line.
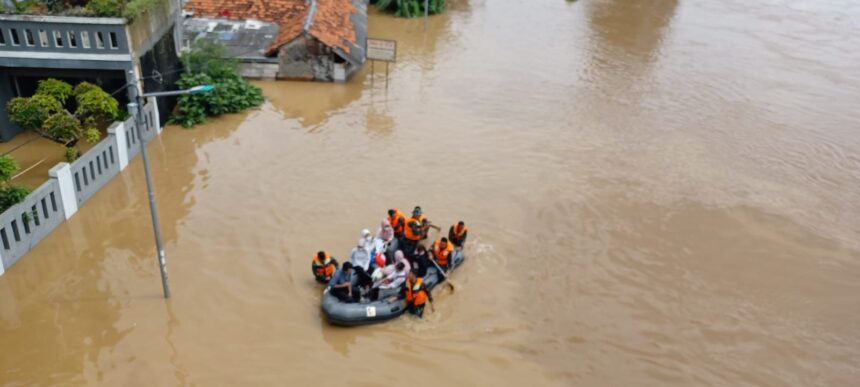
45 114
98 104
129 9
54 5
72 153
84 87
232 94
210 58
135 8
410 8
8 168
11 195
55 88
23 5
107 8
92 135
62 127
31 113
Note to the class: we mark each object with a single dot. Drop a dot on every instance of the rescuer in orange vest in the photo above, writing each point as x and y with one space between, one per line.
398 222
323 267
417 295
457 234
414 231
442 253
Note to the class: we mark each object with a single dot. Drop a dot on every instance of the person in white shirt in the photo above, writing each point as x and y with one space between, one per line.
390 285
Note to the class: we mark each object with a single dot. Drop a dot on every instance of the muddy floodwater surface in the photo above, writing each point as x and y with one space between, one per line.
659 193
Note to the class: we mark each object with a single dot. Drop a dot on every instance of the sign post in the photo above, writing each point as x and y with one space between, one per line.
382 50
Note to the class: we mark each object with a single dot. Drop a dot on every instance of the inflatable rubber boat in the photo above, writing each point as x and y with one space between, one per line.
341 313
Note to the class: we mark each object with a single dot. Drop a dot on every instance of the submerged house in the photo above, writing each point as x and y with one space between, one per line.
319 40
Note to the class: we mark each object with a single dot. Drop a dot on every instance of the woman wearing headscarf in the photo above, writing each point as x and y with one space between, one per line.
360 259
385 241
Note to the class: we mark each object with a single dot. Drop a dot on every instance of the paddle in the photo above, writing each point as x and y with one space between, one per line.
442 273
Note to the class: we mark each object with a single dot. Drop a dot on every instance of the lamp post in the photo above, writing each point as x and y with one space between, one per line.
135 109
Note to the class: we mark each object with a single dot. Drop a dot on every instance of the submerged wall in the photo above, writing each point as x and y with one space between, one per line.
307 59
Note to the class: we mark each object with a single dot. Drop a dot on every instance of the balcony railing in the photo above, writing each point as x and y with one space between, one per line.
35 36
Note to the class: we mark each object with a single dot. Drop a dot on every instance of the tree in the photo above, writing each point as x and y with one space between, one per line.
31 113
45 114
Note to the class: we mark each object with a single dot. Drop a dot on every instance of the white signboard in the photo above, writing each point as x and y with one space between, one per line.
381 49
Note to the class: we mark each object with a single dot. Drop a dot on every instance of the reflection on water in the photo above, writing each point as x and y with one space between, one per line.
658 193
637 28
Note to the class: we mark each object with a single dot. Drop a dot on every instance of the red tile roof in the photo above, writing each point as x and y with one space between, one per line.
330 21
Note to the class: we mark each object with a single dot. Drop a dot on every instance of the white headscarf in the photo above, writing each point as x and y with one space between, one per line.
360 256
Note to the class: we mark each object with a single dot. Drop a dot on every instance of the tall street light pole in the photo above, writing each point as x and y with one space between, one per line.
135 109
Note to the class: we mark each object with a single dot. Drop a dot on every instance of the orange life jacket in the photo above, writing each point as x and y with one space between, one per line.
397 221
457 233
440 254
415 293
409 233
325 268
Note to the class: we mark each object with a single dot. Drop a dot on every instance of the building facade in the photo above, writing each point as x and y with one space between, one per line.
108 51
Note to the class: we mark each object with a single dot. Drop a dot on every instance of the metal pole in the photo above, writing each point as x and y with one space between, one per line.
371 72
386 75
426 12
138 107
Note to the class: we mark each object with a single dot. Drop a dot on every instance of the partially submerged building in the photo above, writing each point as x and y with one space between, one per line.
319 40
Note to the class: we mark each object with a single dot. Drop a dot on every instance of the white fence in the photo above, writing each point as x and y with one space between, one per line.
23 225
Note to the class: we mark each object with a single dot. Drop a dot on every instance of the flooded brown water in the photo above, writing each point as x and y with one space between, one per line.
659 193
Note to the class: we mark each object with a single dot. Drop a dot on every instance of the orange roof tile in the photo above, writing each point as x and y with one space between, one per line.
330 21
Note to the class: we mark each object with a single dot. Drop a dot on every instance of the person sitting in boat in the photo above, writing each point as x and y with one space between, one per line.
390 285
323 267
457 234
421 261
442 252
362 263
417 295
385 240
340 285
360 255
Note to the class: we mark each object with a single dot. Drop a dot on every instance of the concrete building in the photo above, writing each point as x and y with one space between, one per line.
318 40
95 49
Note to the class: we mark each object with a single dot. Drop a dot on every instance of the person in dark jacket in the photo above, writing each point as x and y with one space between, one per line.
457 234
421 261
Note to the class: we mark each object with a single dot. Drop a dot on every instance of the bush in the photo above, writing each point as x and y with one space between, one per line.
31 113
98 104
10 195
135 8
44 112
107 8
8 168
62 127
232 94
210 58
55 88
72 153
84 87
409 8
